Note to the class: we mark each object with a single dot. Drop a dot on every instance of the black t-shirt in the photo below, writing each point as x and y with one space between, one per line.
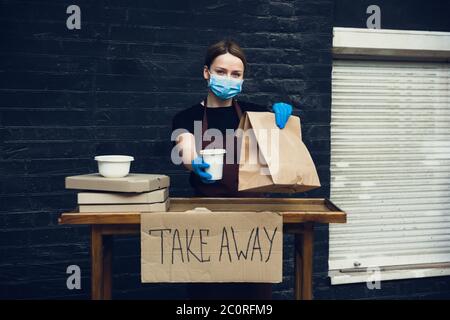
221 118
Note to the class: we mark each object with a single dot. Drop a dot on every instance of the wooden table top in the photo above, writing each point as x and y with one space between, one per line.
293 210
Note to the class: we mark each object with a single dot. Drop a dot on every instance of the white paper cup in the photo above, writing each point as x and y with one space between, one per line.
214 157
114 166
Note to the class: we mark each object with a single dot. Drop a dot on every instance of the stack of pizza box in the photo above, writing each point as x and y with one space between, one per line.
136 192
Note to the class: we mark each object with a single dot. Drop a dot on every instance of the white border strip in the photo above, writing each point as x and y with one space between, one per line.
391 43
338 277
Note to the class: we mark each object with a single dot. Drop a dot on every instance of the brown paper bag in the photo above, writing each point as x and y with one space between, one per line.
273 159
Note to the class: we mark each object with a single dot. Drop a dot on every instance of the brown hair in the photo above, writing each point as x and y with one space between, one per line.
222 47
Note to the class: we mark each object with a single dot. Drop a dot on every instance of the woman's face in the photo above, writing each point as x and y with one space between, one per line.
226 65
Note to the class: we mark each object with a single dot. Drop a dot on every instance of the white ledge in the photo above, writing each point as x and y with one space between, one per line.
391 43
389 273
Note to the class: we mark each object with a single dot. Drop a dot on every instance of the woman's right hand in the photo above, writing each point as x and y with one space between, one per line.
198 167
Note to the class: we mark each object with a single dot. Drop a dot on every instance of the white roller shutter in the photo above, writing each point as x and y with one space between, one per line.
390 163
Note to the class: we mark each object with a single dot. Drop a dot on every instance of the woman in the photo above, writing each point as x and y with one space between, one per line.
224 68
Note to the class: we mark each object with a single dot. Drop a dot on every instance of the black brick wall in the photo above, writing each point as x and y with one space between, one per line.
113 87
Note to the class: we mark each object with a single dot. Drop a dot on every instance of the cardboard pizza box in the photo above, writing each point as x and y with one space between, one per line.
123 197
133 182
110 208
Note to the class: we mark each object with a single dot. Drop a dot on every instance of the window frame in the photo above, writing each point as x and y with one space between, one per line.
389 44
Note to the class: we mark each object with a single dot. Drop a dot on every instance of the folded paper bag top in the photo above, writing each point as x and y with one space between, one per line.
272 159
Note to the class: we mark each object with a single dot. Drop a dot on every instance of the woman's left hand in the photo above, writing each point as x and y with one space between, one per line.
282 113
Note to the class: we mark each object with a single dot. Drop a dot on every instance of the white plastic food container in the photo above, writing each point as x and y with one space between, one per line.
214 157
114 166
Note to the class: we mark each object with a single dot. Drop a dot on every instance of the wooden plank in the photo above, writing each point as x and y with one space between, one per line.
244 204
250 207
294 210
134 217
321 217
254 204
100 218
227 201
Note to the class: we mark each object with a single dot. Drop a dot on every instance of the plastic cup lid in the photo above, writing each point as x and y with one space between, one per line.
114 158
212 151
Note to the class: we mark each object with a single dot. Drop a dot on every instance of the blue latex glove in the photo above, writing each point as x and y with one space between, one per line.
199 166
282 113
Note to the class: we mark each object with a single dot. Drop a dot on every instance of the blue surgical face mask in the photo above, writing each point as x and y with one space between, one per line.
223 87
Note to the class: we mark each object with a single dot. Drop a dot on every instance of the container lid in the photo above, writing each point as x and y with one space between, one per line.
213 151
114 158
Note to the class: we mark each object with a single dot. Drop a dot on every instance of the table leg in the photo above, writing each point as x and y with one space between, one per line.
96 262
298 266
307 255
107 266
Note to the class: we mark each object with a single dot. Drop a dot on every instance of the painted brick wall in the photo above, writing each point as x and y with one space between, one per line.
113 87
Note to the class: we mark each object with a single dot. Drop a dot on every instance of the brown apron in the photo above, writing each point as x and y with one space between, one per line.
228 185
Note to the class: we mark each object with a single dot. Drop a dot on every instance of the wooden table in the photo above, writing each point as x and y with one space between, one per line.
299 216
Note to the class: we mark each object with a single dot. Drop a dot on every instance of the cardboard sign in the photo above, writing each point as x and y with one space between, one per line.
199 246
